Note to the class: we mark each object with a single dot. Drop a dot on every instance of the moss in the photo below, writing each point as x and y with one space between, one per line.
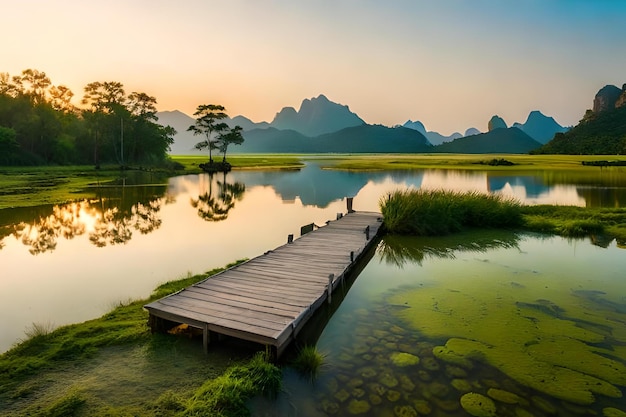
358 407
478 405
613 412
505 396
403 359
556 344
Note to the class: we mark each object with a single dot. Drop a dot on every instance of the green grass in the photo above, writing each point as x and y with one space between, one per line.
481 162
431 213
252 161
308 362
434 213
67 371
570 221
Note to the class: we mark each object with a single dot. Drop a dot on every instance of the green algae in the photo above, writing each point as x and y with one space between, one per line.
478 405
613 412
404 359
546 337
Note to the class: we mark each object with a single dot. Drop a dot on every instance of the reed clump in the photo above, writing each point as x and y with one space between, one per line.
309 362
440 212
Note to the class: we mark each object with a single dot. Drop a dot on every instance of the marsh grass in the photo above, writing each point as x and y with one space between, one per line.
308 362
226 395
570 221
439 212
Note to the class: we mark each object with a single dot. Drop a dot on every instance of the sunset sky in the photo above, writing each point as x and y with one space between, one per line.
451 64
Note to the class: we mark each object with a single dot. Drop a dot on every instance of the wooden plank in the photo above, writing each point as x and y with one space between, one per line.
266 299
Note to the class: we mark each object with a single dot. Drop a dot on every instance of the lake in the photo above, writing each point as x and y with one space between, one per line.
69 263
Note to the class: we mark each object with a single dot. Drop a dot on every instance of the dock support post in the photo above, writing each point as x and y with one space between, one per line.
367 233
205 338
330 287
289 238
349 204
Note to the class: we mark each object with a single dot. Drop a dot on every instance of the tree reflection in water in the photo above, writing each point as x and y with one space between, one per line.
399 250
104 226
216 208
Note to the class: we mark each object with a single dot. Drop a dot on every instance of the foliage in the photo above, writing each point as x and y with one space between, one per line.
208 118
427 213
309 361
67 406
226 395
49 129
602 133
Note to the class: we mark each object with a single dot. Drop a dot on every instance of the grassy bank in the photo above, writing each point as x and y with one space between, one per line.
465 161
36 186
429 213
114 366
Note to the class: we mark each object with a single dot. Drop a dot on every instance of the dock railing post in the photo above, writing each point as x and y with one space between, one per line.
330 287
367 232
351 256
290 238
349 204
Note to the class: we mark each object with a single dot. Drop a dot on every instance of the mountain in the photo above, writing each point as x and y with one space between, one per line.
315 117
540 127
183 141
496 122
602 131
245 123
472 131
358 139
435 138
500 140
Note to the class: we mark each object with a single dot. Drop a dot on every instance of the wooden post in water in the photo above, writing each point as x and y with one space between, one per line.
349 204
330 287
205 338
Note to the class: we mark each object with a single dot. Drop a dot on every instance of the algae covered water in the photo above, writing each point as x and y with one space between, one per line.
507 325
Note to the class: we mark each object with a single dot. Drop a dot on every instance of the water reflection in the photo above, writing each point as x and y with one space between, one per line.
215 208
401 250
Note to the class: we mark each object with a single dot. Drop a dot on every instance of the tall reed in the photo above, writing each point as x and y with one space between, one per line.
439 212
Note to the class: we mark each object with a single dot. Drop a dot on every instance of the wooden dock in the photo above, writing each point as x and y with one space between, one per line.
268 299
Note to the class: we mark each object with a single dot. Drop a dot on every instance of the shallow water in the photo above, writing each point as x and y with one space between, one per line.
536 325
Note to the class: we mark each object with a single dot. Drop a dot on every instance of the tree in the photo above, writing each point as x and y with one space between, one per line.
8 145
208 118
230 136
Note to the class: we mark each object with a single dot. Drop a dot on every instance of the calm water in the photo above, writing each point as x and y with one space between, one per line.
539 323
69 263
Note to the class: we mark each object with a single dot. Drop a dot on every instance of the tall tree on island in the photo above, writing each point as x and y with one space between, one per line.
229 137
208 118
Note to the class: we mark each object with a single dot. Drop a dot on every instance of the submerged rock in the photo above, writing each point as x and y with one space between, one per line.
505 396
613 412
358 407
388 380
430 364
402 359
478 405
404 411
422 407
461 385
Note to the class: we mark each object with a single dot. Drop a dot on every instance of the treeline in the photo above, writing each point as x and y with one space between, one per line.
602 133
39 124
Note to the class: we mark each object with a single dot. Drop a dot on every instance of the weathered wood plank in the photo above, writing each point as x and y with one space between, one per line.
268 298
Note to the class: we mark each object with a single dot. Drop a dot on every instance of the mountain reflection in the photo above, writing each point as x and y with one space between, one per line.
399 250
103 225
215 208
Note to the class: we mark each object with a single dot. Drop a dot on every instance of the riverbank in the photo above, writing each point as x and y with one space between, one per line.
114 366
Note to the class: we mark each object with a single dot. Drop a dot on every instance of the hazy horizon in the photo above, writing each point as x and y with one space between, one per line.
451 64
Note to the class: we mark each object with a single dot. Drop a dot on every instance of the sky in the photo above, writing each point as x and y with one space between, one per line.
451 64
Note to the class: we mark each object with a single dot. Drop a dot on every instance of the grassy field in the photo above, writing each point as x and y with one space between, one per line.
462 161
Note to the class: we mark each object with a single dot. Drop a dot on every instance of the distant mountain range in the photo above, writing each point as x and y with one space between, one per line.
321 125
602 131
